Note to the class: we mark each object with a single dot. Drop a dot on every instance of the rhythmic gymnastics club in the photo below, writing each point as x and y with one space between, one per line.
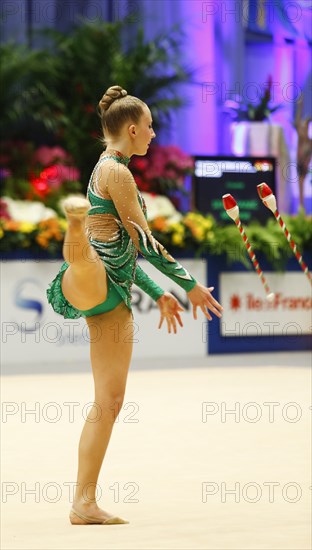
232 211
266 195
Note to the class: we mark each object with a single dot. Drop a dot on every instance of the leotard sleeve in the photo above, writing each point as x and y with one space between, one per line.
124 193
143 281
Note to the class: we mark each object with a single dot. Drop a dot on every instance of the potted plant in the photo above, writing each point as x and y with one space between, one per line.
251 130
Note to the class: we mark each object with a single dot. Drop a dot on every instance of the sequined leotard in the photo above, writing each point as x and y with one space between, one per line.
117 228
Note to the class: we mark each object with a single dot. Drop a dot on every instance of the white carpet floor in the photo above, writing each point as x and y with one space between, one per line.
181 467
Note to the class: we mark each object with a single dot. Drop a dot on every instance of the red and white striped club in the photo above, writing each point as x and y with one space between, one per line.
232 210
266 195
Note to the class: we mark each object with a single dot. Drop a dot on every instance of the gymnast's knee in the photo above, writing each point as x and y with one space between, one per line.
110 403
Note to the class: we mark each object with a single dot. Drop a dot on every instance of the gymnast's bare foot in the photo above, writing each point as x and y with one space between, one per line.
75 208
90 513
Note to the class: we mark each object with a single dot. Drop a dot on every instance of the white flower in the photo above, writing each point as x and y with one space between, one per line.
159 205
28 211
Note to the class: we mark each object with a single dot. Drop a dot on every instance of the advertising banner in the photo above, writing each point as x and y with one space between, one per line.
33 333
247 312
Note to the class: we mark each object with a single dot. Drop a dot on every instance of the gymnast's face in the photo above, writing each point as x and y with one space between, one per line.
142 133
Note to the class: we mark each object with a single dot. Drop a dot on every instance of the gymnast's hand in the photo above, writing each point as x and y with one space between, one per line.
200 296
169 309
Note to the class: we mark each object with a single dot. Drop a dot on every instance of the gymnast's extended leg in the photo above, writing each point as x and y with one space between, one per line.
84 283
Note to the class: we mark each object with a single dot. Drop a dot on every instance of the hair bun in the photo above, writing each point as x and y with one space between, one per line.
111 94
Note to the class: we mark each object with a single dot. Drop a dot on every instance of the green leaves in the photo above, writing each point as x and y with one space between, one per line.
26 93
58 88
266 240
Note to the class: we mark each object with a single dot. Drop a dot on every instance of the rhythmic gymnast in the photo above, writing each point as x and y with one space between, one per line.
105 233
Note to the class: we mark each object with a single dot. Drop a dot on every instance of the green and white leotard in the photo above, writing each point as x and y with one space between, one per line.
117 228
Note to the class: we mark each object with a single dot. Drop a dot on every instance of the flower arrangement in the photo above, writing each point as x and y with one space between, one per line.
44 174
46 235
192 232
203 235
162 170
240 110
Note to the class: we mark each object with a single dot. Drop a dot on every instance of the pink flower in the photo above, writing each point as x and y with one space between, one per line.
56 174
142 185
162 162
175 152
170 174
40 187
5 173
51 176
156 171
68 173
139 164
4 212
47 155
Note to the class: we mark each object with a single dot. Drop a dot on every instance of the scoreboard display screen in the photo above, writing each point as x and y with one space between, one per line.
216 176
